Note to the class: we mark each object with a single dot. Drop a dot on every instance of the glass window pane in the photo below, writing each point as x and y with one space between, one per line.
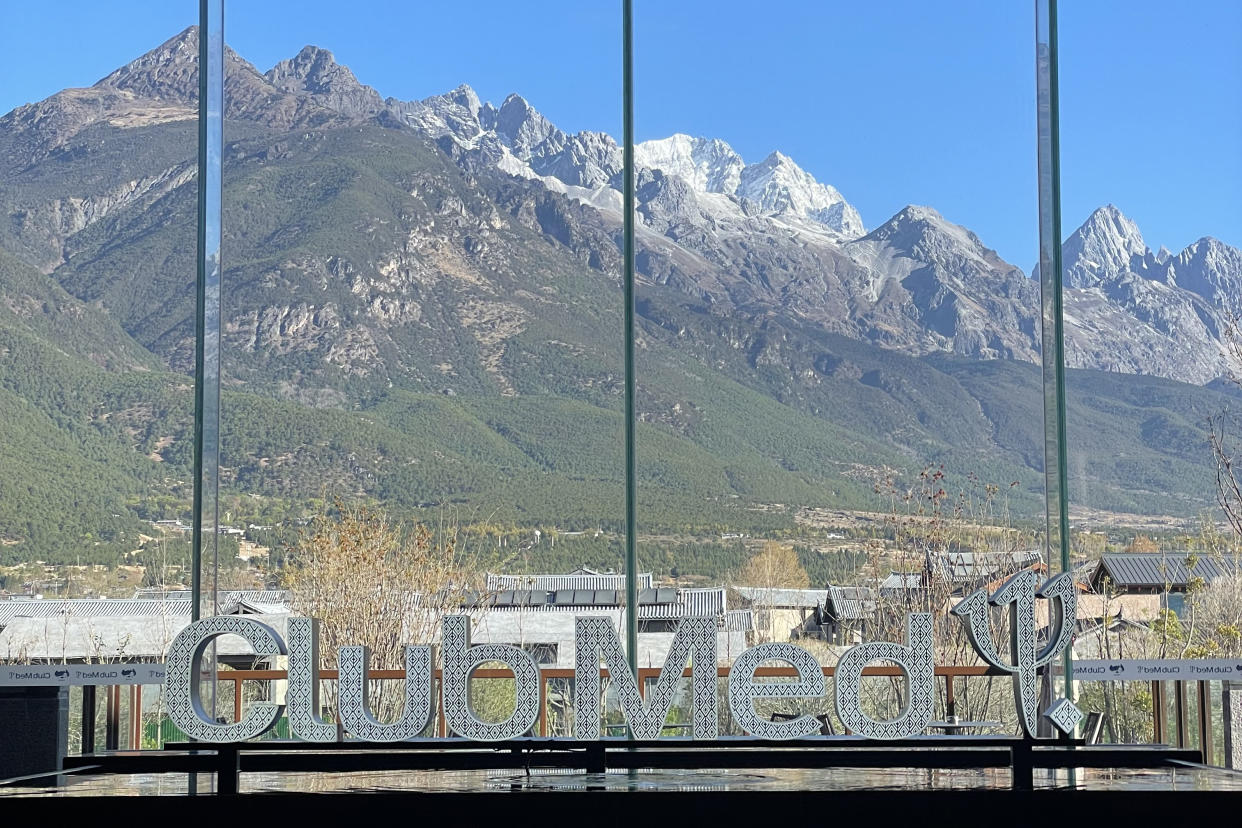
423 319
839 364
97 172
1153 286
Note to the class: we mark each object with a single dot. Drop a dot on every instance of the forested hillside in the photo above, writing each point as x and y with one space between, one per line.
406 323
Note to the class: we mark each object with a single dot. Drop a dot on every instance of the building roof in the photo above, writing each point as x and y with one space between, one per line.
897 581
653 602
582 578
109 638
781 597
1157 570
268 596
91 608
706 602
962 568
850 603
739 620
89 628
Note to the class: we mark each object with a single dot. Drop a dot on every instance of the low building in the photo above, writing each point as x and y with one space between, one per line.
1143 583
903 587
86 630
537 612
963 572
1152 573
781 614
1112 637
847 612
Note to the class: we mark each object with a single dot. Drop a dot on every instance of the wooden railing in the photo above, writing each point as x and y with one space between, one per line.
948 673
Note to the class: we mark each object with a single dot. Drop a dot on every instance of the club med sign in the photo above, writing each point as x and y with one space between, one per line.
597 642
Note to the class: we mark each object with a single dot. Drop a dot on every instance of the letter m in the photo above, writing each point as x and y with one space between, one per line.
694 641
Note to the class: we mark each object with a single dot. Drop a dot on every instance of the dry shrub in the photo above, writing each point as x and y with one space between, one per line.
374 582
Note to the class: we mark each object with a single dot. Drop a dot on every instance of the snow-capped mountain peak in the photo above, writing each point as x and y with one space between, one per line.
523 125
778 185
774 186
1107 243
464 96
1213 270
706 164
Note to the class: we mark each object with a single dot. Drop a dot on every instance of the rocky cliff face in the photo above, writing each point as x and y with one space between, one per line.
762 240
423 305
1134 310
315 72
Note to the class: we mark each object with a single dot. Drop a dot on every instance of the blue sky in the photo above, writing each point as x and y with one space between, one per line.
892 103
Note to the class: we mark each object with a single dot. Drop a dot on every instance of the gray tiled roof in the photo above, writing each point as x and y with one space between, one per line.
898 581
1155 570
779 597
850 603
582 579
91 608
116 637
226 597
739 620
248 602
708 602
662 602
971 567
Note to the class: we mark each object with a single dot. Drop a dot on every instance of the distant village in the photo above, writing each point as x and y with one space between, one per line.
1120 595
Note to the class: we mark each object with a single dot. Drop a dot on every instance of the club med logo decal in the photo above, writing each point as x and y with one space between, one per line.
597 642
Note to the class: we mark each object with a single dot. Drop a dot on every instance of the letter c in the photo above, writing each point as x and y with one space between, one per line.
184 689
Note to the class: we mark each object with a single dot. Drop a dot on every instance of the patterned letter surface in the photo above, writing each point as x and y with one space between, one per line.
460 660
743 690
596 636
184 687
1019 593
915 658
302 696
353 697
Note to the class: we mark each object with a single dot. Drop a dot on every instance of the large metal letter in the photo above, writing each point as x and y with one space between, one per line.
302 696
596 636
743 690
1019 593
915 658
353 698
460 659
184 689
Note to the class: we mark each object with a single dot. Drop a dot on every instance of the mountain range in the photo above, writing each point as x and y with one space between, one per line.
422 305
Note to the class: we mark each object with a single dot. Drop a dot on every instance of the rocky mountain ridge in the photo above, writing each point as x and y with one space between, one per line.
422 306
763 239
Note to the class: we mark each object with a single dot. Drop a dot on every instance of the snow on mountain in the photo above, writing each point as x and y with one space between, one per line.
1106 243
521 141
775 186
917 283
1213 270
1133 310
762 238
778 185
706 164
458 113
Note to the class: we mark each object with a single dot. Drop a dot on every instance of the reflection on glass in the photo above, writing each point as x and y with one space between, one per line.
416 392
206 518
1056 546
